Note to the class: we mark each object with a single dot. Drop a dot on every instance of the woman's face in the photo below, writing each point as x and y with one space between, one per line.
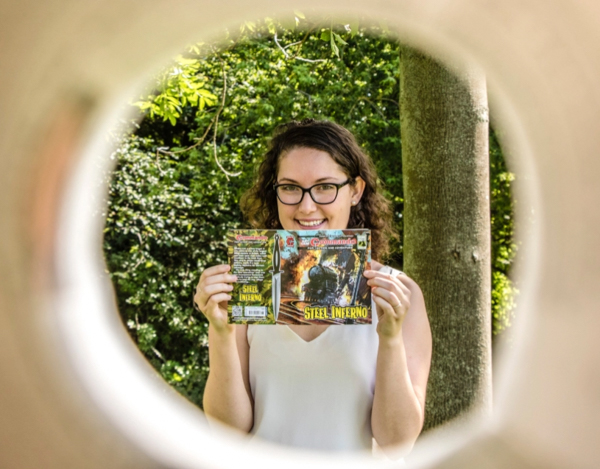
306 167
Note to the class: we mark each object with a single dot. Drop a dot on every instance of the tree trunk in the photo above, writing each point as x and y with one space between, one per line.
444 128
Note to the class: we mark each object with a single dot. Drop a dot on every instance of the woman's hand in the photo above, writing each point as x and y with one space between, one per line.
212 295
392 298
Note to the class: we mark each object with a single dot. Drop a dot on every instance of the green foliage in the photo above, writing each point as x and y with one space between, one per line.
173 194
171 204
177 87
504 249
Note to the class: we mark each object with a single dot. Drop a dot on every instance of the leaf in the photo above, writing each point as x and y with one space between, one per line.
271 25
143 105
325 35
195 49
339 39
185 61
299 14
207 94
334 46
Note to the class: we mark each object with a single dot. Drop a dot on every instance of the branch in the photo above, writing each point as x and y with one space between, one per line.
374 107
309 60
216 128
214 124
280 48
295 56
307 95
157 353
364 98
293 44
392 101
198 142
159 149
303 41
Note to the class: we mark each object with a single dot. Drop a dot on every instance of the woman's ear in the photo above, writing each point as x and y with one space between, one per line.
357 189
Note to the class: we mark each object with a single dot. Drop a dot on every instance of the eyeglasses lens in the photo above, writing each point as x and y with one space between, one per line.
321 193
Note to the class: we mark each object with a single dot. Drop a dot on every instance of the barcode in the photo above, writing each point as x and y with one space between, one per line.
255 311
237 311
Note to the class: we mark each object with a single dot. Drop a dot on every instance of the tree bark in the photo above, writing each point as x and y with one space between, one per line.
444 128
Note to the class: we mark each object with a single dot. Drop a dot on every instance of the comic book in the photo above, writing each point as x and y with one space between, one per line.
299 277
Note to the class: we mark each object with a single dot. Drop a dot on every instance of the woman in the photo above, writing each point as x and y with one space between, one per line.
316 386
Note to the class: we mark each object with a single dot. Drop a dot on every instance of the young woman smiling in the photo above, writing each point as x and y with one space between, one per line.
321 387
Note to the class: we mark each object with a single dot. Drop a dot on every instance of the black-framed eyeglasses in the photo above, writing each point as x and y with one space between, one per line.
322 194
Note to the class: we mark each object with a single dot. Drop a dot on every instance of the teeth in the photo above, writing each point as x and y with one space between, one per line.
310 223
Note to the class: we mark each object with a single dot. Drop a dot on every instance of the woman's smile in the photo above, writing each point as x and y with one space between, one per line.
311 223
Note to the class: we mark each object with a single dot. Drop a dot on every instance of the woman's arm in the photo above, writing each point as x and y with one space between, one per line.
403 362
227 395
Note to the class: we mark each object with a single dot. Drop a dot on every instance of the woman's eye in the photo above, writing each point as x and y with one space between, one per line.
326 187
289 188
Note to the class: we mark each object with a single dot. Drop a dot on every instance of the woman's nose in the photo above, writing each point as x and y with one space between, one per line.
307 204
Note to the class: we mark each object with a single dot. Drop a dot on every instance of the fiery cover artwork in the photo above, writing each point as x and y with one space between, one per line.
300 277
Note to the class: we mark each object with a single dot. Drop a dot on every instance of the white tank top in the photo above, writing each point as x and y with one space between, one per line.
316 395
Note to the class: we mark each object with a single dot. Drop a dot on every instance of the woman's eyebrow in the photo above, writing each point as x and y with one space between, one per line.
316 182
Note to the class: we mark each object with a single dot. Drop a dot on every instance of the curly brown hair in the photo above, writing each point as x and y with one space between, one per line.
259 203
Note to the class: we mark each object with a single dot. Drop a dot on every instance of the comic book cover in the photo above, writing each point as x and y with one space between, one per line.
300 277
